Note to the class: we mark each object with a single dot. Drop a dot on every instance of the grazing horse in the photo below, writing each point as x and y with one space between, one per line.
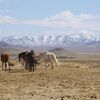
5 60
23 59
48 57
29 61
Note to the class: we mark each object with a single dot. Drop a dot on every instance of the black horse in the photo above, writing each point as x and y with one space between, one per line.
29 60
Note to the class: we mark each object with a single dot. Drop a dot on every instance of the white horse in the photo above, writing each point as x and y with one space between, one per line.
48 57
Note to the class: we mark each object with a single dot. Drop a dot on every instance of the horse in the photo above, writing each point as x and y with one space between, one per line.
23 59
5 60
28 61
48 57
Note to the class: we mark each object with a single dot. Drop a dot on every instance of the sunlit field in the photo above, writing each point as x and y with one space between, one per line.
72 80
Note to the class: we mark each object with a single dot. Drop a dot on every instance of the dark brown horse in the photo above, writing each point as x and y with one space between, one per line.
5 61
29 61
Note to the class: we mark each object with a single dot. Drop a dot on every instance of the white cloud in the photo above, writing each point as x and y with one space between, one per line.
69 20
8 19
65 21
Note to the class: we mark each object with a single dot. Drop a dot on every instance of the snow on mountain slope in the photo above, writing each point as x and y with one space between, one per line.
47 40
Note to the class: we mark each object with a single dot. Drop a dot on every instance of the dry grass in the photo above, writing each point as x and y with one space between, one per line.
73 80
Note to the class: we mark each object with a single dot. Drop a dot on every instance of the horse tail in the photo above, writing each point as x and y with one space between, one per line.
55 58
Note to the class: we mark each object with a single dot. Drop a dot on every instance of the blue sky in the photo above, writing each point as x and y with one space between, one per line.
31 17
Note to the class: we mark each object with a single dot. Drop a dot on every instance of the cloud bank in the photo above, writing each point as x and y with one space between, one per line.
65 20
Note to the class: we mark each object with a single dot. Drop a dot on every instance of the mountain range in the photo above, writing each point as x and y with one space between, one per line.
49 41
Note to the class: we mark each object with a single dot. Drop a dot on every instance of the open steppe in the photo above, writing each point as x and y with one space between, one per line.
72 80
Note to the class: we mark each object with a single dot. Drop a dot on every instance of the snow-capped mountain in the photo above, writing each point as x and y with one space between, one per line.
52 41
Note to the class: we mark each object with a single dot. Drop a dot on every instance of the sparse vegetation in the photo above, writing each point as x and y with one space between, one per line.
73 80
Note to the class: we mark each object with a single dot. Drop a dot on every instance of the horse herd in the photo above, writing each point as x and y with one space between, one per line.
29 61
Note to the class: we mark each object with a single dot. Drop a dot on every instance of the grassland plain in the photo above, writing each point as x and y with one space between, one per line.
72 80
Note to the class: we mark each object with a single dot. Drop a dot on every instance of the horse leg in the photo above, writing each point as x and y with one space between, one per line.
9 66
33 67
52 65
2 65
5 66
23 64
26 66
35 63
30 67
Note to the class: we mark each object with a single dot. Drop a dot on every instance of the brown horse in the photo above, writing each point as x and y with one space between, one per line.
5 60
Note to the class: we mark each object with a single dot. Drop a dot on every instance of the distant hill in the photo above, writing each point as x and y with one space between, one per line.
57 49
4 45
9 50
64 53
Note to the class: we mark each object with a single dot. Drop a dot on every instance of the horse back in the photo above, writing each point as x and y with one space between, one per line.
5 57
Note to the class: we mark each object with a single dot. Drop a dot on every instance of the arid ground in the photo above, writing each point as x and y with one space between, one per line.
72 80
